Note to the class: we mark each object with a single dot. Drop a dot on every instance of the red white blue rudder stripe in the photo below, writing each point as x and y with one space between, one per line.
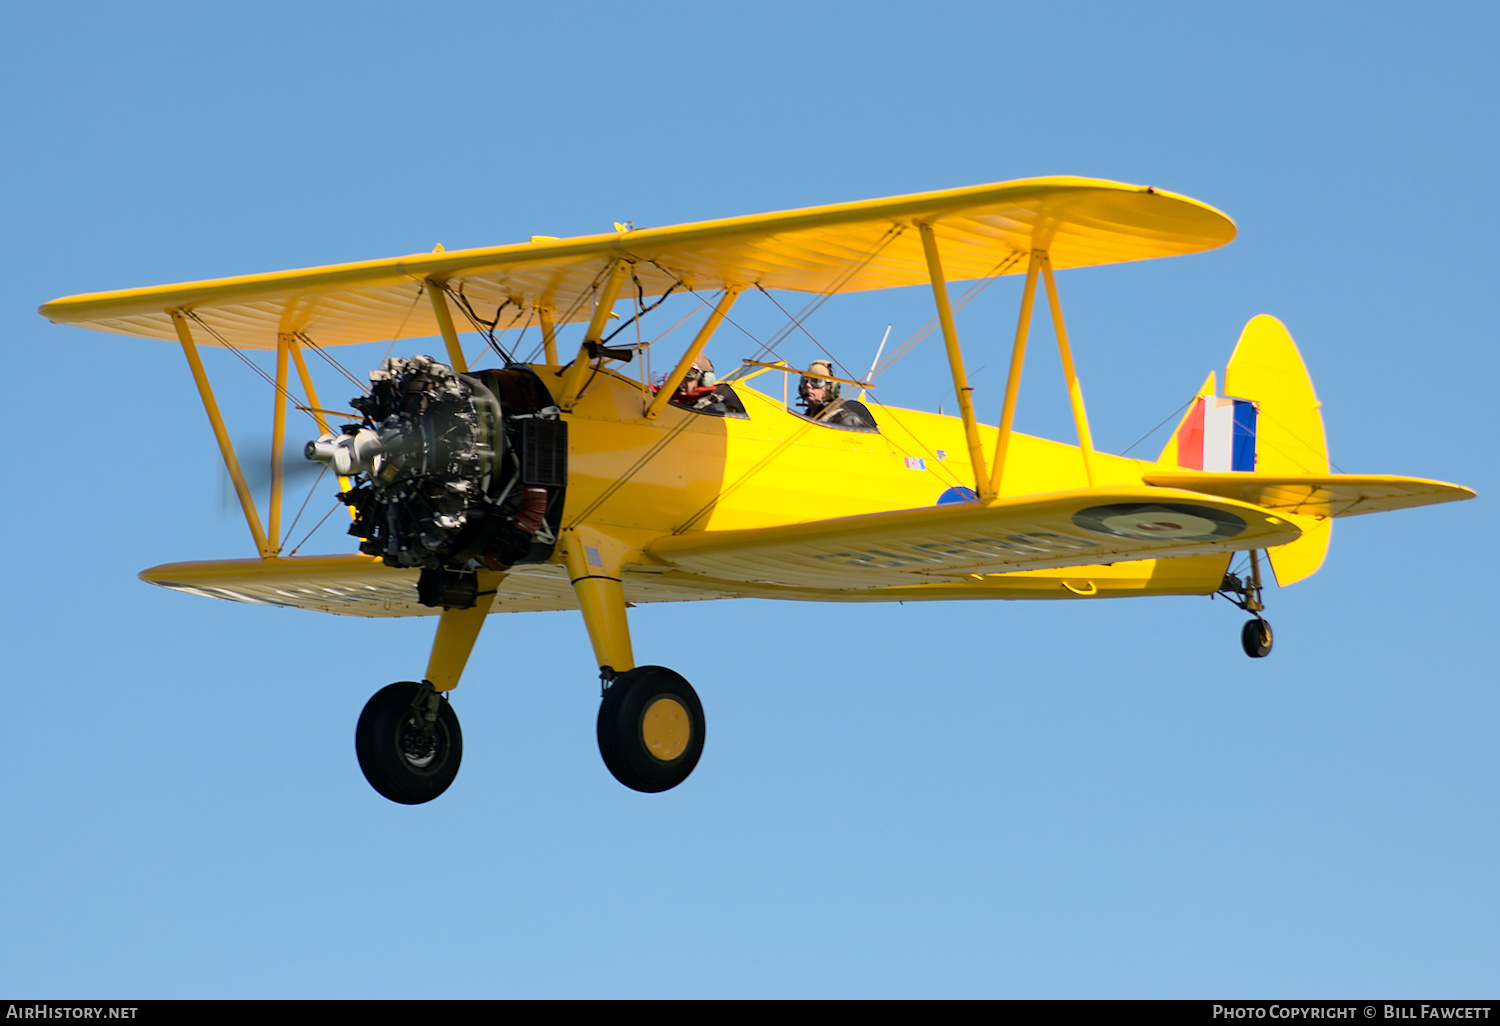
1217 435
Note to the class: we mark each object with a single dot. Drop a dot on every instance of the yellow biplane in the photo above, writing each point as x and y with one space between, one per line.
574 483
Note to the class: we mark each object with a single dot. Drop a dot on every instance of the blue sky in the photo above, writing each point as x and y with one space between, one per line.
981 799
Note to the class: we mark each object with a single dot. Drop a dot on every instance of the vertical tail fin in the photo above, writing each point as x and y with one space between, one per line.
1267 368
1276 427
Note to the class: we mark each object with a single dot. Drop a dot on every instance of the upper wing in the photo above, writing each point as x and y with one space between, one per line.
954 541
1321 495
840 248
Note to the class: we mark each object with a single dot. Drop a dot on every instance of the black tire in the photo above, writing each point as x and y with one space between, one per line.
396 759
651 728
1255 637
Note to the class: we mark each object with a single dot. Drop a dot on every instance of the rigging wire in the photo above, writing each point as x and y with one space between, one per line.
310 493
245 359
971 293
529 317
769 347
824 349
303 337
702 301
795 322
421 288
577 304
485 328
641 310
650 454
647 346
765 348
314 531
1158 427
726 490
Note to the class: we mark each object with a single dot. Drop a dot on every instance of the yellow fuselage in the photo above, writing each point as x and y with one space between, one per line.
637 479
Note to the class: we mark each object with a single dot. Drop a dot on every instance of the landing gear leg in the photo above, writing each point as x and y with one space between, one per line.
1255 636
408 739
650 725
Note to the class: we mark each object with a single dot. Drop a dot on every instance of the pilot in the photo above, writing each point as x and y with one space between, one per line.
697 384
819 395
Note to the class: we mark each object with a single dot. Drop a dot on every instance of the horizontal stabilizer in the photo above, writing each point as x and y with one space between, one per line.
954 541
1317 495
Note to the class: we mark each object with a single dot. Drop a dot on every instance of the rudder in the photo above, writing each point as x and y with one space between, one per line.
1276 427
1267 368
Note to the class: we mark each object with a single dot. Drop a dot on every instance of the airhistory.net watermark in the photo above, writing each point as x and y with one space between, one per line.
39 1010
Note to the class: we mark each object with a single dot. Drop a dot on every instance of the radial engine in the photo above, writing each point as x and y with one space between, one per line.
451 472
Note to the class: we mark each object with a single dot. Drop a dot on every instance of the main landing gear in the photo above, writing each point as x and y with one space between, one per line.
1255 636
408 742
650 724
650 728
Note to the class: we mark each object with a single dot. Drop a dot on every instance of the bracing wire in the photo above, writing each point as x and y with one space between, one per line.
310 493
484 327
303 337
795 321
971 293
421 288
314 531
641 309
1165 420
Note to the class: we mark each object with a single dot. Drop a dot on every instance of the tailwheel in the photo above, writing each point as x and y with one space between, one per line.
650 728
1255 636
408 742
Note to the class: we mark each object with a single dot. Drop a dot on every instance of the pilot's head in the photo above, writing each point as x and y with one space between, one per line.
815 390
700 374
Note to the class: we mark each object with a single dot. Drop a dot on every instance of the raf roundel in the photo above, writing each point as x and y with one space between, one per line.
1143 522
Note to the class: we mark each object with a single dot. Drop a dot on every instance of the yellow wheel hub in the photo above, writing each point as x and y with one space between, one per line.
666 729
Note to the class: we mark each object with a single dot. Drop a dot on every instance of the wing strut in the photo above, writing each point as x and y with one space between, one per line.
1013 379
664 394
315 407
989 480
982 483
278 443
439 297
573 382
1040 262
1075 391
549 335
226 447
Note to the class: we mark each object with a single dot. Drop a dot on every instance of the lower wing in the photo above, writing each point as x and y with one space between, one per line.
953 542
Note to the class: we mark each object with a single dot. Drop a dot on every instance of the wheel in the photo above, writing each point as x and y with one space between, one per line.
1255 636
650 728
398 759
